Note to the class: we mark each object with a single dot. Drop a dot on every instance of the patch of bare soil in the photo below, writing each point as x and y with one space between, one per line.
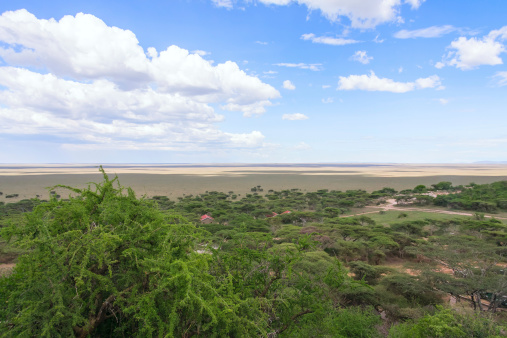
7 258
6 269
400 267
392 205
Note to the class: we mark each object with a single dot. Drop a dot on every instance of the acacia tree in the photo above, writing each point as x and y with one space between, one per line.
474 268
107 263
289 282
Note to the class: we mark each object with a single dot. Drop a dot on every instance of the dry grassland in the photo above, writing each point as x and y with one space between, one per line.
178 180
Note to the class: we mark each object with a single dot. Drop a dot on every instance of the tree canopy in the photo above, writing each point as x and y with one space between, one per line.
107 262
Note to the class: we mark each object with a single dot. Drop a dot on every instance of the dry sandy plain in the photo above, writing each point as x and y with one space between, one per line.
179 179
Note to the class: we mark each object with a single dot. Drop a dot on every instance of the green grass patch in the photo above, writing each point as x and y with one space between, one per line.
392 216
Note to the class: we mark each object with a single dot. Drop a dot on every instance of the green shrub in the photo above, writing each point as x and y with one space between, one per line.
446 323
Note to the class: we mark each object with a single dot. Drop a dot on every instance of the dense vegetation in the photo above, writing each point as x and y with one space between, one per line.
106 263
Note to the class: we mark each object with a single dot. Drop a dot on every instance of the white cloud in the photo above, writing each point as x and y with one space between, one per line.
362 14
327 40
326 86
197 51
261 42
99 99
294 117
361 56
415 3
471 53
223 3
100 112
443 101
501 78
302 146
85 48
377 40
400 70
429 32
100 88
312 66
373 83
328 100
270 72
288 85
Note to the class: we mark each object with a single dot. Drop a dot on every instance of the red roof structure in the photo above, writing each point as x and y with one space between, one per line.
272 215
286 212
206 217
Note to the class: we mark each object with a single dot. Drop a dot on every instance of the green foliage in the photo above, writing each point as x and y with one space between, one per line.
420 189
386 191
412 288
289 280
19 207
107 262
370 273
348 322
446 323
410 228
423 200
473 262
442 185
482 198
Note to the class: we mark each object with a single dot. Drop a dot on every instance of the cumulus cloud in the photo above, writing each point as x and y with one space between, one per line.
361 56
288 85
327 40
362 14
471 53
311 66
95 85
373 83
429 32
294 117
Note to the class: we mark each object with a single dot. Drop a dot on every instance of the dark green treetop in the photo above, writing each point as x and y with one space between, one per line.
107 263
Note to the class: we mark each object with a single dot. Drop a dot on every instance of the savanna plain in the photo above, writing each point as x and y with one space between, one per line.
264 250
174 181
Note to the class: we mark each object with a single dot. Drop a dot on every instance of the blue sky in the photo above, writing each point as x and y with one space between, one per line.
253 81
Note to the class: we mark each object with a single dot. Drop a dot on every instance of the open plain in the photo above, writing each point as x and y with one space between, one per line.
176 180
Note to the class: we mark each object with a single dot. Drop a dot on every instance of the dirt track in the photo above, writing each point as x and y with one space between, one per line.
391 205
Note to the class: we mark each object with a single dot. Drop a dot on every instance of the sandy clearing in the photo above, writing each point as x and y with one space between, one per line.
391 205
460 213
